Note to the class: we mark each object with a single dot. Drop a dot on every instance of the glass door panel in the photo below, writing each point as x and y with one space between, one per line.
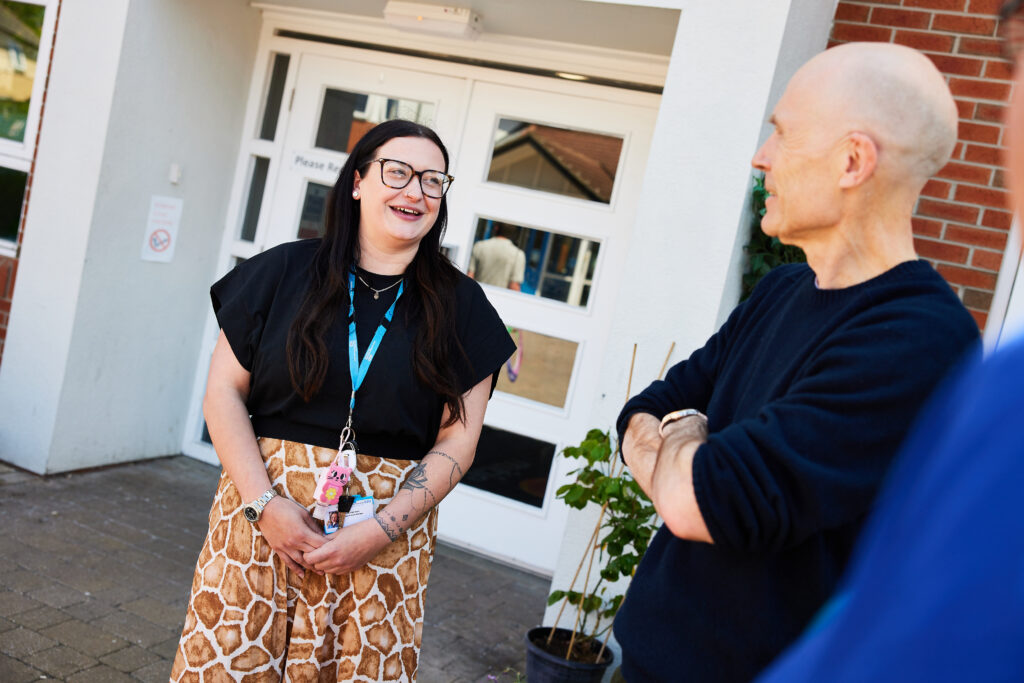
573 163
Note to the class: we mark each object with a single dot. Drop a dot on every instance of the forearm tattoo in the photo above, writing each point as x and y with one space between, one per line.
390 528
417 481
422 497
452 479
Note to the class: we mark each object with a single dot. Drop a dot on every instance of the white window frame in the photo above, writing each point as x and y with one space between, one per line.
19 155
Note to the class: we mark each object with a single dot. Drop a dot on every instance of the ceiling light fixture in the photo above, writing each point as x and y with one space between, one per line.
457 22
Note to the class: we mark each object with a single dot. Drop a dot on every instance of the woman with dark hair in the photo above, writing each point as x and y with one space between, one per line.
296 389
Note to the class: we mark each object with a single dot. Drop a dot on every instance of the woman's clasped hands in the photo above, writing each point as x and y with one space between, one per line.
347 549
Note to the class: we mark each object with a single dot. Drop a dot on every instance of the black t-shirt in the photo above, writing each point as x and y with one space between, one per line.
396 416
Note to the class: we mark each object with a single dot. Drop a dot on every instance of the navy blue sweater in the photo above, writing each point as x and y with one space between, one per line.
808 395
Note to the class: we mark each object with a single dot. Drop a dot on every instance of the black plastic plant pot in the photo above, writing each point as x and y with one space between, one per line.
545 667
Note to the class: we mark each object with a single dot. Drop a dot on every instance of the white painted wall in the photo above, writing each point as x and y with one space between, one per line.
118 387
181 93
57 230
727 67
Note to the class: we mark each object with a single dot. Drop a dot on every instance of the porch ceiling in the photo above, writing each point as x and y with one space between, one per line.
621 27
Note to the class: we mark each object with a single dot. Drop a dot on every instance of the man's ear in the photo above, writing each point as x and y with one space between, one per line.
861 158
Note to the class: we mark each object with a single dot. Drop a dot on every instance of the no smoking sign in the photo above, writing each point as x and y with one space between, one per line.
162 229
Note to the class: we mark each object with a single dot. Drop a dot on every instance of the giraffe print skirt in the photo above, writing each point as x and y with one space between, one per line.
252 619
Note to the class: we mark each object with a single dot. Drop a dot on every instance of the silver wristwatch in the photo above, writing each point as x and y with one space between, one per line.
253 510
677 415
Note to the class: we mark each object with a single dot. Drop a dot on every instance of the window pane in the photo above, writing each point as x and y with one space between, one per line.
558 160
257 183
21 25
511 465
346 116
12 196
540 369
554 266
275 93
314 211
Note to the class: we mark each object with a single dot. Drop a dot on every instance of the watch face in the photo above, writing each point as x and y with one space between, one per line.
251 513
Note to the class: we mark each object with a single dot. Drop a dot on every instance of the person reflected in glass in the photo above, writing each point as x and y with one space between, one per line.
408 372
498 261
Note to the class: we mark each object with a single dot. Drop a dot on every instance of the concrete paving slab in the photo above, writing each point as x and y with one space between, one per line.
61 661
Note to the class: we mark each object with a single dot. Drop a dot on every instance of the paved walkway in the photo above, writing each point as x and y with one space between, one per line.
95 569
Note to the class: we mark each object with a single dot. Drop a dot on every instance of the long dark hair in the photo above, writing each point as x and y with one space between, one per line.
430 283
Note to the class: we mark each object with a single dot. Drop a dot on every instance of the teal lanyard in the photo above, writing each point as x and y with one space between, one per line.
357 369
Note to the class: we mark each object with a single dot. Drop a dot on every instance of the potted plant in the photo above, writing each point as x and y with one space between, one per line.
623 530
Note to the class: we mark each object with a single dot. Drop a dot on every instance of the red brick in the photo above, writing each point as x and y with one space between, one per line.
985 6
958 66
987 260
999 179
900 18
979 89
998 68
929 42
961 24
993 218
967 277
979 175
928 228
962 234
942 251
979 318
965 109
936 189
977 299
948 5
859 32
848 12
979 132
982 195
948 211
984 155
980 46
990 112
958 150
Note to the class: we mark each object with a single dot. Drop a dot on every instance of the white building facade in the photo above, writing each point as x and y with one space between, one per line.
180 136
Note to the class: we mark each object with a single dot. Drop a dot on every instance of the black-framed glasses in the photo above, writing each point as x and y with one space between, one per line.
397 174
1011 29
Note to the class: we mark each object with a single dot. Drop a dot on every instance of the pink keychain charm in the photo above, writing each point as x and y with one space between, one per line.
332 483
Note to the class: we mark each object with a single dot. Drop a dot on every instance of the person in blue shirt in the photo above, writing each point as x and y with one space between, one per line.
935 591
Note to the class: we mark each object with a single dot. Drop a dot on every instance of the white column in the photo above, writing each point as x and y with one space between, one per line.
73 136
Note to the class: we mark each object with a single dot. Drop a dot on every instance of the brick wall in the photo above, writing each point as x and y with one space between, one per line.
962 220
8 266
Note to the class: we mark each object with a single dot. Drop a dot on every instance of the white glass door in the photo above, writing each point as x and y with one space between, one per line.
556 173
559 176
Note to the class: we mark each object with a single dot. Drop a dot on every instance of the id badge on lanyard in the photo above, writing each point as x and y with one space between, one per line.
334 505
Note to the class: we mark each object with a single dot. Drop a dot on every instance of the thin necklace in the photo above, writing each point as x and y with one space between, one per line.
376 292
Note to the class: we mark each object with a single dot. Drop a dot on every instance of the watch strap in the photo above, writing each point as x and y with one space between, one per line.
256 506
678 415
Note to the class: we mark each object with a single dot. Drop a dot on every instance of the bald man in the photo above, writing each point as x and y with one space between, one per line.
764 450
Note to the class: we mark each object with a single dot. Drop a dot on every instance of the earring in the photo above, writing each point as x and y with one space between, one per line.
355 194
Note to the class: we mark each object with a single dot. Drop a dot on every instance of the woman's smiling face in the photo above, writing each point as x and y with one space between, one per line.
391 219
